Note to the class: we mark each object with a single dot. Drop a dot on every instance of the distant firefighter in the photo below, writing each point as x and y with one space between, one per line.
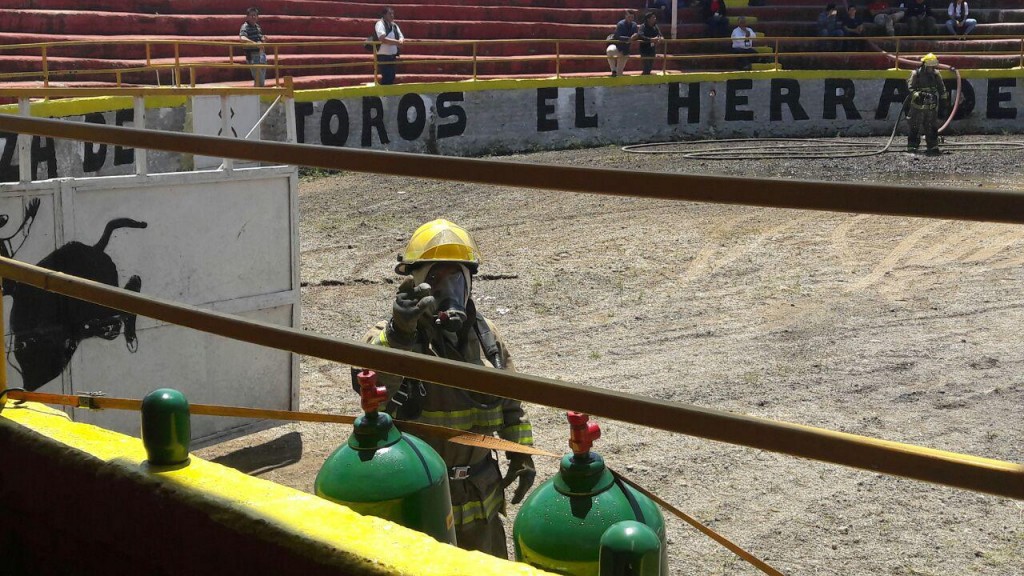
927 93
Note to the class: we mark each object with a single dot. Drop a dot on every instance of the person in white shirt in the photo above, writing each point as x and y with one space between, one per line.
743 40
391 38
959 24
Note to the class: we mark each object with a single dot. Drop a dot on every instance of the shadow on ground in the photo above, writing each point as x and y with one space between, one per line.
257 460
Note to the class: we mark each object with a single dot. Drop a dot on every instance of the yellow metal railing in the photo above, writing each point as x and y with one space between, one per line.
952 469
671 54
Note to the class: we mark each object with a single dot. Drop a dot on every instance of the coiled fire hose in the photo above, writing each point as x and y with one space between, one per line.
97 401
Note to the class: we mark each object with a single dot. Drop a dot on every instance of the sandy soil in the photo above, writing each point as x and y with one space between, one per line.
899 328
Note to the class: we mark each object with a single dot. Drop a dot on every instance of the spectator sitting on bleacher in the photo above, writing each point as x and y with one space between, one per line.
618 51
918 17
662 6
829 25
884 17
713 13
743 40
959 24
853 24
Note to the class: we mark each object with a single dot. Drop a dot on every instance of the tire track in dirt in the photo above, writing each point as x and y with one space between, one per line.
839 239
889 262
996 245
705 263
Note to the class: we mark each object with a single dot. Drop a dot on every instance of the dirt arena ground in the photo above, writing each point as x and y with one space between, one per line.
904 329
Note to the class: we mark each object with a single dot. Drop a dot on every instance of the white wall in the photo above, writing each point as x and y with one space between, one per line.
220 240
798 104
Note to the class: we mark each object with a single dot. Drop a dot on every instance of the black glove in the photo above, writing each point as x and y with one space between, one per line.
519 466
411 303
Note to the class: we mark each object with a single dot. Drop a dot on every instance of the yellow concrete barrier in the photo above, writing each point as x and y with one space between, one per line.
78 498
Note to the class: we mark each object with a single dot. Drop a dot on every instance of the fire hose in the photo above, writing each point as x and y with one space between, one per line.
99 401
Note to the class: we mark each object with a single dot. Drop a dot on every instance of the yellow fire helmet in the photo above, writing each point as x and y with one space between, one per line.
930 60
439 241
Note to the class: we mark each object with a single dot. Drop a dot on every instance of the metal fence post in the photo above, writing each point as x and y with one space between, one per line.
24 144
141 167
225 128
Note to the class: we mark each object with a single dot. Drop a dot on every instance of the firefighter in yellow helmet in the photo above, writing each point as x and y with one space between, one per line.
434 314
927 94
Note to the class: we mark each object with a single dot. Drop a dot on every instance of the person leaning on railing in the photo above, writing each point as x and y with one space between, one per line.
618 51
650 37
251 33
390 36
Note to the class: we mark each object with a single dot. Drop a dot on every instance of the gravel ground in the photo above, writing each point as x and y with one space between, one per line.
904 329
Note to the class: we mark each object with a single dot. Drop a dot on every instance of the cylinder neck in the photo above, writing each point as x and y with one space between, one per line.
374 430
583 474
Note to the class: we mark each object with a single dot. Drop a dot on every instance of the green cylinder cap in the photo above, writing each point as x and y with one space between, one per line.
166 427
630 548
583 475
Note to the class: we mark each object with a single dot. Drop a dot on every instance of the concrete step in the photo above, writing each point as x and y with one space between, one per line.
74 22
423 10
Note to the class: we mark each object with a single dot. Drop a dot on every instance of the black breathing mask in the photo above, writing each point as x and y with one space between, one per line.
450 285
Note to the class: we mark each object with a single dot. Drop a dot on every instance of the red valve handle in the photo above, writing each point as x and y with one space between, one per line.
371 396
582 433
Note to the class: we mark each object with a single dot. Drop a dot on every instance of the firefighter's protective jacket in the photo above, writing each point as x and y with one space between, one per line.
479 497
926 89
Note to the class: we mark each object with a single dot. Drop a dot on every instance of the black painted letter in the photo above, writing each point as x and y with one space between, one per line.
733 100
446 109
373 117
786 91
334 109
93 157
40 154
996 95
124 155
544 123
691 102
967 102
582 120
894 91
411 129
832 99
302 110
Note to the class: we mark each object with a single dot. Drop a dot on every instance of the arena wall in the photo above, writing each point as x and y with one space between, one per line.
503 116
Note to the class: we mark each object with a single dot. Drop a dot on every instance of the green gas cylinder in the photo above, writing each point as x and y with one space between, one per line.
382 472
560 527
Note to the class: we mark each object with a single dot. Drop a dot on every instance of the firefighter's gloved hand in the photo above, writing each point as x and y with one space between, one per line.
411 303
519 466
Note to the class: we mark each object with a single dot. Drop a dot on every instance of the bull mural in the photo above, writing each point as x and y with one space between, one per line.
46 328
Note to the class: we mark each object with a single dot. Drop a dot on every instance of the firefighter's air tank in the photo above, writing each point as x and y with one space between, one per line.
562 526
383 472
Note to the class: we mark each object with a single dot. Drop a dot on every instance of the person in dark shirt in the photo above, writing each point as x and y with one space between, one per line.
618 51
251 33
829 25
918 17
713 12
853 27
650 37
